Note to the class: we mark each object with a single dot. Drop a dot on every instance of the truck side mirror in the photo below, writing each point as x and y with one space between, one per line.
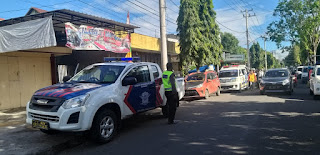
66 78
129 81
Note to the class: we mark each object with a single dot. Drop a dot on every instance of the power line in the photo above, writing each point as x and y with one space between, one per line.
232 20
148 10
109 13
154 9
29 8
133 14
174 3
231 6
228 28
259 25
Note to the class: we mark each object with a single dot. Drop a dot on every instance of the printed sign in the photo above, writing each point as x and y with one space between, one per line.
234 57
91 38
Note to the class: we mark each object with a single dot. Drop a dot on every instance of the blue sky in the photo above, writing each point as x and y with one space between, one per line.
144 13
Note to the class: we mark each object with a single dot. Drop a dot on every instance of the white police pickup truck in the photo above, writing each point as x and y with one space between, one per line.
98 98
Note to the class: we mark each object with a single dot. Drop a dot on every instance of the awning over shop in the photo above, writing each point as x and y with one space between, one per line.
59 20
31 34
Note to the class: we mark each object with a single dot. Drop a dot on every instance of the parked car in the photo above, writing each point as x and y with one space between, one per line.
299 72
233 77
315 82
98 98
276 80
305 74
202 84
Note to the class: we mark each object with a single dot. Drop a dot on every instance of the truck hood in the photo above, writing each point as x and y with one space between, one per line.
68 90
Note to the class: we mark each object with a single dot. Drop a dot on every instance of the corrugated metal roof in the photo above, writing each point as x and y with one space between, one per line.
60 17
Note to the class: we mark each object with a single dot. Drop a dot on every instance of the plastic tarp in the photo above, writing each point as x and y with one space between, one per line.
203 68
32 34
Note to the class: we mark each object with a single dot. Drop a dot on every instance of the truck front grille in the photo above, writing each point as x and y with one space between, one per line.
44 117
52 105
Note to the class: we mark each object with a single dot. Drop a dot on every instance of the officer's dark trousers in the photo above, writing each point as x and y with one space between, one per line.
172 100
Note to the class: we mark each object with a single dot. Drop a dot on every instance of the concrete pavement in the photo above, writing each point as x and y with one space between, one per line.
233 123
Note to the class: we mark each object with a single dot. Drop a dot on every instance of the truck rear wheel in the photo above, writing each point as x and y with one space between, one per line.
104 126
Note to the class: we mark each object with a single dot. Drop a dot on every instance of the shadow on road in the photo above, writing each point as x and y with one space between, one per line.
216 127
301 92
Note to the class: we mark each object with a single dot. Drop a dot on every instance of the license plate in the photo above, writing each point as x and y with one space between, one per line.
40 124
273 87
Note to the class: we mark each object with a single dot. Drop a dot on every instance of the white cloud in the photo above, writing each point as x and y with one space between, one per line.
279 54
234 20
148 19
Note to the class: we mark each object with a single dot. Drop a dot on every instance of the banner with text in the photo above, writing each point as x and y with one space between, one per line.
91 38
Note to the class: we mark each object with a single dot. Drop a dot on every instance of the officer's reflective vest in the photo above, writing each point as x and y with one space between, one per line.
166 80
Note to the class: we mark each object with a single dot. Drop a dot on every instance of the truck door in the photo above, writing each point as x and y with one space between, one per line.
155 74
141 96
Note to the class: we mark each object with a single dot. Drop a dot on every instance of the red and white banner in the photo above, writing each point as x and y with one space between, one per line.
91 38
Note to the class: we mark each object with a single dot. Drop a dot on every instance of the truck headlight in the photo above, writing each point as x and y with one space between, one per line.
285 82
75 102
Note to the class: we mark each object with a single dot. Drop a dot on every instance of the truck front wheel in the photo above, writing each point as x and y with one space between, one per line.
104 126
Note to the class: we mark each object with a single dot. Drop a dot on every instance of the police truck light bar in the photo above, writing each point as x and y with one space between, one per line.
110 59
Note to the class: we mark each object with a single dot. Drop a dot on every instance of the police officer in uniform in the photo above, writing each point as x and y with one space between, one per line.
168 79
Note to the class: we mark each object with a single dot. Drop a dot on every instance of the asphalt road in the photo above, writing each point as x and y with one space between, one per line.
233 123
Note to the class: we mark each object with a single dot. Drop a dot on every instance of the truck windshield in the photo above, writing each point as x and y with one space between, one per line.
196 77
98 74
276 73
228 73
318 71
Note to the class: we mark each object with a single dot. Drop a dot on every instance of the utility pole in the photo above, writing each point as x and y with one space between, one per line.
246 15
315 58
265 52
163 34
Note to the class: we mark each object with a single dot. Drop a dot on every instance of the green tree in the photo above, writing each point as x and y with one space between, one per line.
199 34
299 22
256 56
310 29
189 31
211 46
241 50
229 42
293 58
271 61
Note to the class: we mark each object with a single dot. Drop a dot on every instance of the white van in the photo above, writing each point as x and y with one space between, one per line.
315 82
233 77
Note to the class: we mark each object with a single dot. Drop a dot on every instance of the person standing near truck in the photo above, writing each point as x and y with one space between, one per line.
168 79
252 79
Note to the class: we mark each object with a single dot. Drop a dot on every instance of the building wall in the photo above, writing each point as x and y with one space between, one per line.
147 43
22 73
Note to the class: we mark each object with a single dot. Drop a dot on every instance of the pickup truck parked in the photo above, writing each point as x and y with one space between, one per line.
98 98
